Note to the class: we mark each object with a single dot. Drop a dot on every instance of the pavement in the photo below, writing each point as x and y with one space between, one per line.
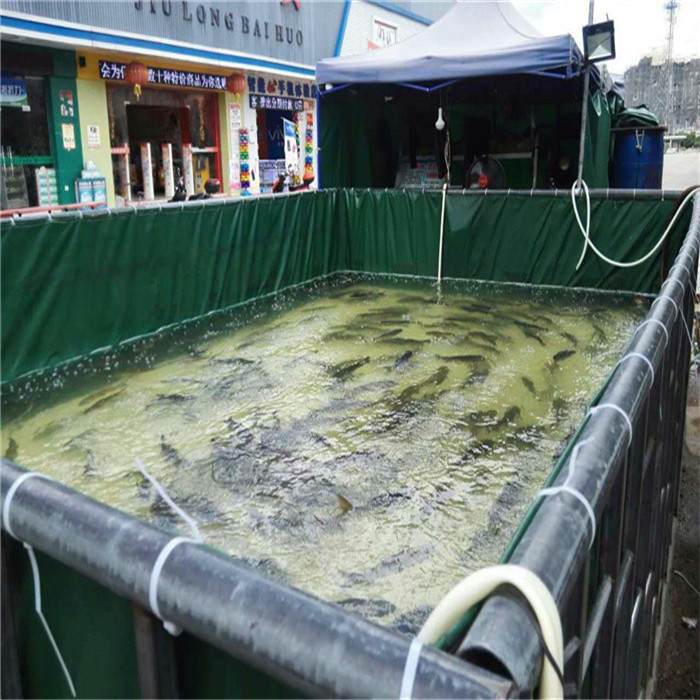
681 170
679 667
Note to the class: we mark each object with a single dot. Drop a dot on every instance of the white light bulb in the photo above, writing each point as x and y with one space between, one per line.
440 123
329 86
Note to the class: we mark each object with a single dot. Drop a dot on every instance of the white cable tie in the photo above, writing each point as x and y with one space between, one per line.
35 570
642 357
600 407
155 578
409 670
666 298
11 494
677 281
653 320
173 506
554 490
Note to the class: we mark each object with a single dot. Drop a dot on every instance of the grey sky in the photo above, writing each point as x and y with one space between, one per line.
640 26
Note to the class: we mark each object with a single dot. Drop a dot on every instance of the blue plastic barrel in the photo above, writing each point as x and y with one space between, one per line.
638 157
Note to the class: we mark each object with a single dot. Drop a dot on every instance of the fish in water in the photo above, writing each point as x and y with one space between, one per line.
171 454
390 565
104 401
571 338
529 385
368 607
403 360
477 378
389 334
173 398
344 369
463 358
487 337
437 377
343 503
12 450
100 393
529 333
563 355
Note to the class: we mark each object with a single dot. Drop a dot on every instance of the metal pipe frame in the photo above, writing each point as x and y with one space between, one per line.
632 483
313 646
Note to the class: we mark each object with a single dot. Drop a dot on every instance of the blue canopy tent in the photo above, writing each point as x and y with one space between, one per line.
478 53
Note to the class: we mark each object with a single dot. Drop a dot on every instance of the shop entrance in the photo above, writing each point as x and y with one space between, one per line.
156 125
160 116
271 144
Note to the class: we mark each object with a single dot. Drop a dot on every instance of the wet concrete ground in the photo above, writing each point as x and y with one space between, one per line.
679 666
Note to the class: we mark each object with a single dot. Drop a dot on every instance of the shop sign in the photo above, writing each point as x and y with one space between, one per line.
269 86
113 70
65 99
273 102
383 34
93 136
291 153
189 13
13 92
68 134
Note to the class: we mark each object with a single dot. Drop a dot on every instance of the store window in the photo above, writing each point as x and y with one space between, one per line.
160 117
24 140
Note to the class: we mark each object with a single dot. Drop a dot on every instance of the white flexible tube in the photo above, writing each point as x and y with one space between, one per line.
586 231
442 231
476 587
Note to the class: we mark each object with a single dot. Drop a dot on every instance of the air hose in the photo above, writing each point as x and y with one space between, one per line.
477 586
586 231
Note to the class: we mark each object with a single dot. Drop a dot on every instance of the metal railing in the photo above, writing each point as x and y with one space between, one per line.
608 573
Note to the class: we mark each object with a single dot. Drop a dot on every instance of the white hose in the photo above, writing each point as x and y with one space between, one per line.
586 231
476 587
442 231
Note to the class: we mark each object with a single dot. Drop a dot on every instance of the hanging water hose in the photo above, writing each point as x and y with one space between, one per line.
586 231
476 587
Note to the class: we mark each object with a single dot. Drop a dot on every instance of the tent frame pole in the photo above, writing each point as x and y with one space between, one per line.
584 108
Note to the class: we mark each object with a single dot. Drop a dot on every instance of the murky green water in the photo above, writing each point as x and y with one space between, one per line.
356 438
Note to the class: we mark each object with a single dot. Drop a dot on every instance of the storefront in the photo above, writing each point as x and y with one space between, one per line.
40 137
151 94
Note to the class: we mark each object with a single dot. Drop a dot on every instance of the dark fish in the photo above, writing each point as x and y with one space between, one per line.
343 503
173 398
440 334
411 622
368 607
490 339
478 449
89 469
394 322
405 341
529 385
12 450
386 499
344 369
171 454
529 326
563 355
103 401
389 334
510 415
390 565
531 334
463 358
501 511
92 398
571 338
477 377
481 308
403 360
437 377
341 335
365 295
234 361
599 334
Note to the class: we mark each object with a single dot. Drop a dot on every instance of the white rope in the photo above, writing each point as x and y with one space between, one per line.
664 298
678 313
409 670
600 407
677 281
35 570
173 506
642 357
167 550
586 231
653 320
566 488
